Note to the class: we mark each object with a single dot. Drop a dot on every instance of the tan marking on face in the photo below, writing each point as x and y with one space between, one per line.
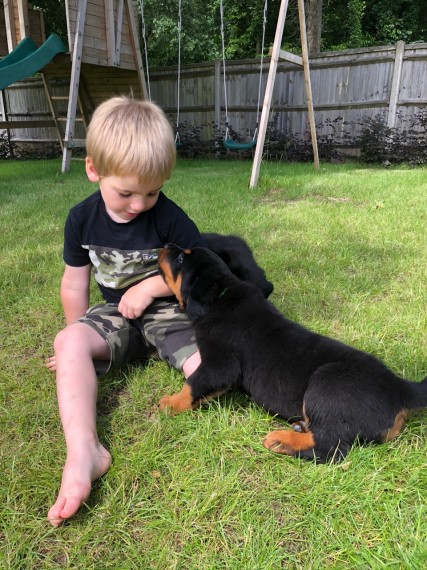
288 442
173 284
396 428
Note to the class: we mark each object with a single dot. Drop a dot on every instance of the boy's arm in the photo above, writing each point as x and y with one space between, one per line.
137 298
75 292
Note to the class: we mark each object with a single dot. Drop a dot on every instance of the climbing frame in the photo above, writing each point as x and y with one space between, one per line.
103 60
103 34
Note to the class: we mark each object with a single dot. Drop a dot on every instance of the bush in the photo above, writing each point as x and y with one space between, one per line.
376 142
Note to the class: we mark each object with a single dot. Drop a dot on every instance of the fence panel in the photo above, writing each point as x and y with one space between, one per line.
347 86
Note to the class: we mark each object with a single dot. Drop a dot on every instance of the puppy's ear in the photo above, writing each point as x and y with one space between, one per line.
200 296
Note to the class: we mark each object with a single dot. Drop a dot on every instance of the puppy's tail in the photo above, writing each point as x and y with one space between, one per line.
416 396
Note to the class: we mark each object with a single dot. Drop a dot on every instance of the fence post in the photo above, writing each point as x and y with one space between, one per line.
3 112
217 95
395 84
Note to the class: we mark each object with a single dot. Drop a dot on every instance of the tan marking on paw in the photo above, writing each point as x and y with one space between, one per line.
178 403
288 442
396 428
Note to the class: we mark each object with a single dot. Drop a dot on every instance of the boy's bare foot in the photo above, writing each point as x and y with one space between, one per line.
80 470
50 363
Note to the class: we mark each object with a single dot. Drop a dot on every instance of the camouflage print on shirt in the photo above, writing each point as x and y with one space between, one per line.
118 269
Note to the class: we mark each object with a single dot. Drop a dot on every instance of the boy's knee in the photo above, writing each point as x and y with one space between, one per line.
66 338
61 340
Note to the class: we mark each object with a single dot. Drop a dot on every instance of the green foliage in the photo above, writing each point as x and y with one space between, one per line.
242 26
387 22
54 17
361 23
346 24
382 144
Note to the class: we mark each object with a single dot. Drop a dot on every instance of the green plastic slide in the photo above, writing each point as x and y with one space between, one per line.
26 59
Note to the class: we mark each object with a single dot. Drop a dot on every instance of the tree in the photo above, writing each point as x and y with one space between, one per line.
331 25
313 14
54 17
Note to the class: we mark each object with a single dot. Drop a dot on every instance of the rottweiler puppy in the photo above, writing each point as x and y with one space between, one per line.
333 393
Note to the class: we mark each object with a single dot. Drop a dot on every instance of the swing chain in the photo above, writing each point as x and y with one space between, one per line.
227 123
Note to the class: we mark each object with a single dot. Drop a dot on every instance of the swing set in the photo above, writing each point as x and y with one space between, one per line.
276 53
228 142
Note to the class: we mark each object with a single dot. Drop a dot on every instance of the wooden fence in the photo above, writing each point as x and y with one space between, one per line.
347 86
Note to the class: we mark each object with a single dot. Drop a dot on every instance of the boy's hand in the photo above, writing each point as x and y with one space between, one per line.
134 302
140 296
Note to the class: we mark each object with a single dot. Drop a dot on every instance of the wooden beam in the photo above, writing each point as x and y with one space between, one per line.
268 93
109 32
12 125
130 11
119 26
50 99
74 85
24 26
277 53
291 57
10 25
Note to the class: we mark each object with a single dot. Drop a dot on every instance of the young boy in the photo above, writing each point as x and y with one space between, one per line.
116 233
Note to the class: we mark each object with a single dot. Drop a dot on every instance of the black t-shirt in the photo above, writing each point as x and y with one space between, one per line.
122 254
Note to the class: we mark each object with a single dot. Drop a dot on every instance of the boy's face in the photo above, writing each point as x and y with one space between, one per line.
125 197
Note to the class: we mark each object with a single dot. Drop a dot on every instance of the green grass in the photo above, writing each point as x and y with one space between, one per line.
346 250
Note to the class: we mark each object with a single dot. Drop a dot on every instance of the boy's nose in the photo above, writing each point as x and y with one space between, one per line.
138 205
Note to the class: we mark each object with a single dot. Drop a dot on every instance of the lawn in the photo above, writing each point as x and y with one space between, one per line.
346 250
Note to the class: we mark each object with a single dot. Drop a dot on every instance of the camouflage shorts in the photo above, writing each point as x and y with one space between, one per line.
163 327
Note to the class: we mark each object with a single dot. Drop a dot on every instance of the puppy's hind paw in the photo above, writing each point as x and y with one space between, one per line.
276 442
288 442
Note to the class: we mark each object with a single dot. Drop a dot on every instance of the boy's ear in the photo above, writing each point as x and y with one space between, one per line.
91 172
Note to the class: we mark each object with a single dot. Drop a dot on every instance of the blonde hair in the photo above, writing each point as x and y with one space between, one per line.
129 137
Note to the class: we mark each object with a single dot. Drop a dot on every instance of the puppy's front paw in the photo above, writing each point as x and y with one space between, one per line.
165 403
179 402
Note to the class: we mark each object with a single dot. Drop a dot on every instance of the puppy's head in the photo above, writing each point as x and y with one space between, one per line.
197 277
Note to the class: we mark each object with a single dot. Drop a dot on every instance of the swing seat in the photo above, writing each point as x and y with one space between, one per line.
178 145
233 145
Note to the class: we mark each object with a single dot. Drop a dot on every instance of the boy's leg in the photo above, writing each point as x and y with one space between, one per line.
106 337
75 348
166 327
191 364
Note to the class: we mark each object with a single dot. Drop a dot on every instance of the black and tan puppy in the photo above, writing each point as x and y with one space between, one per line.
334 393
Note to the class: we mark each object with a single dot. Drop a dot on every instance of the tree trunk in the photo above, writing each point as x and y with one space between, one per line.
313 13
